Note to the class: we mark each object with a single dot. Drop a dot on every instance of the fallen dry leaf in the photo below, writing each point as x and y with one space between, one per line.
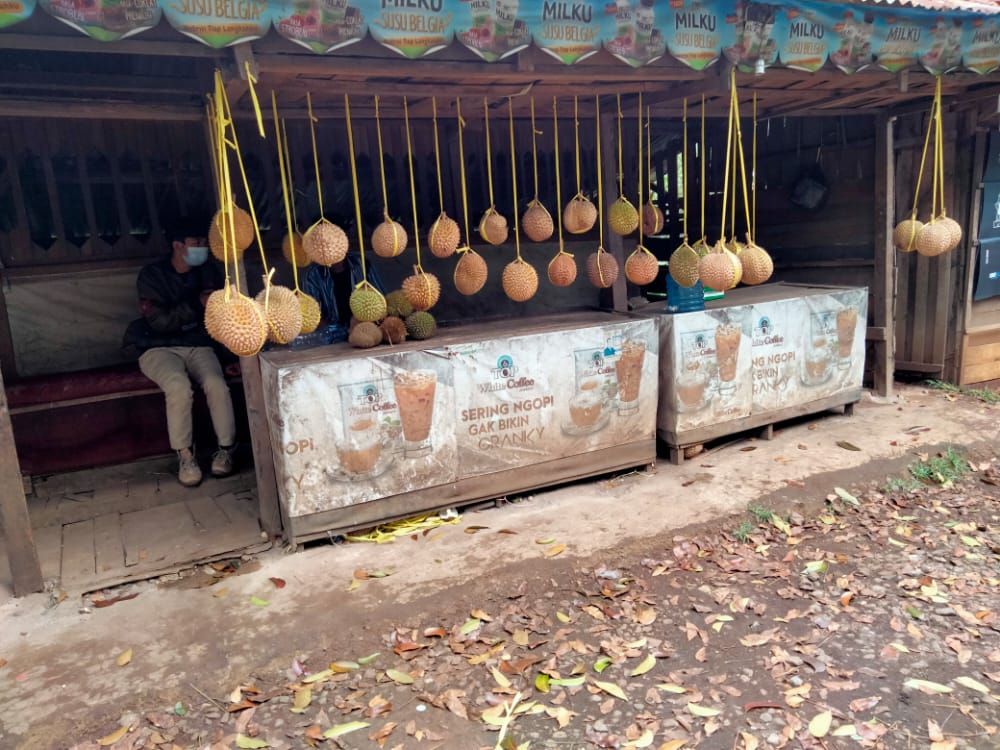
124 657
279 583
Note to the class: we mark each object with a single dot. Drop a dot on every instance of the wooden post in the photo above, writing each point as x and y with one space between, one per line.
21 552
260 441
883 294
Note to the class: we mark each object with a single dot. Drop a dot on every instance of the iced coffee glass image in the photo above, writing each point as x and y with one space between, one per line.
415 397
692 384
727 354
628 368
585 405
847 319
816 362
362 445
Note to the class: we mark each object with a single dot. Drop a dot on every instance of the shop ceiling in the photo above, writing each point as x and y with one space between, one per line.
50 70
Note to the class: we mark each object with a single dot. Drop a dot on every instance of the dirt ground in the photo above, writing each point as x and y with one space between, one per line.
737 601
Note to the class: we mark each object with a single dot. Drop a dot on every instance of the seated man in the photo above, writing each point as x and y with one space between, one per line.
174 348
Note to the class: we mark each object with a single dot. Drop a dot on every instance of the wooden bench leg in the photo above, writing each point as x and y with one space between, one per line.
676 455
767 432
849 409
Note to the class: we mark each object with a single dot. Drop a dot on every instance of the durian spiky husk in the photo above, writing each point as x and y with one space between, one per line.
641 267
737 265
311 312
367 303
389 238
652 219
562 269
393 330
443 236
720 268
735 246
422 289
493 227
300 259
904 236
580 214
623 219
756 263
244 234
954 229
602 268
283 313
397 304
520 280
325 243
683 265
365 335
470 273
237 322
701 247
933 238
420 325
537 222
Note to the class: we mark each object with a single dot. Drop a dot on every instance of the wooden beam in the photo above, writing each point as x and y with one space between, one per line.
971 241
91 109
26 572
77 43
38 82
260 442
883 288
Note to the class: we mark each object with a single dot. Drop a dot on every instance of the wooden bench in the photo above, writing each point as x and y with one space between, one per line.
99 417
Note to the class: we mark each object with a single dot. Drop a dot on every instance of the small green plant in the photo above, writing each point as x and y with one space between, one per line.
983 394
743 532
944 469
759 512
899 484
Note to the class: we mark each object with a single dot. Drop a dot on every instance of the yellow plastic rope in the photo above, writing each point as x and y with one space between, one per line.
461 169
703 158
246 187
600 192
576 126
725 181
935 124
555 131
288 166
513 174
743 168
413 187
534 147
684 168
753 171
251 82
312 133
734 123
381 162
621 171
639 164
940 145
354 186
489 152
437 153
923 162
282 164
219 142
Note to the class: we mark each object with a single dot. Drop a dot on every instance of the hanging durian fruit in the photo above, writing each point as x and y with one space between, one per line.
420 325
720 269
650 215
365 335
422 289
537 222
602 269
520 280
934 238
954 229
218 232
311 312
397 304
641 267
652 218
756 264
683 265
623 218
293 251
562 269
282 311
471 272
580 214
389 238
235 321
444 236
493 227
367 303
904 236
325 243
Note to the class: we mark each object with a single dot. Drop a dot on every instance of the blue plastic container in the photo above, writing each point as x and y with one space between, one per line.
681 299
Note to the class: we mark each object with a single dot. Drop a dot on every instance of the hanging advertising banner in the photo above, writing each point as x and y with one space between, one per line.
320 25
569 31
754 46
221 23
413 28
943 52
899 41
695 31
493 29
105 20
981 45
15 11
851 47
804 35
634 38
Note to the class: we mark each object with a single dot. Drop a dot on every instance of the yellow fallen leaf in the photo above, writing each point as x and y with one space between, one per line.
399 677
972 684
562 617
934 731
647 664
561 714
819 726
749 741
220 592
521 637
480 615
900 647
845 730
704 711
355 584
944 745
250 743
668 687
927 686
645 740
113 737
672 745
471 624
124 657
303 697
495 715
341 667
502 681
645 615
326 674
557 549
914 631
781 524
342 729
612 689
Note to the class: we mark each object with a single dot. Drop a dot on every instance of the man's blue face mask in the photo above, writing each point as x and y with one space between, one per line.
196 256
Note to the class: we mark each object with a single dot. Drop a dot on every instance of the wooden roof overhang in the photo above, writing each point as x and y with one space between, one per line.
50 70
